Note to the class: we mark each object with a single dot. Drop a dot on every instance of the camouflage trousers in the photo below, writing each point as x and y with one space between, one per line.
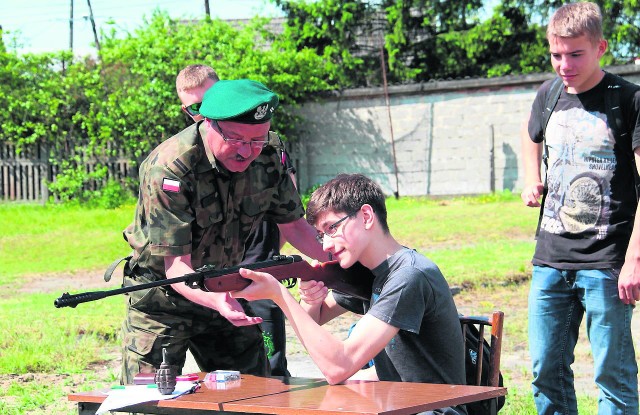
160 318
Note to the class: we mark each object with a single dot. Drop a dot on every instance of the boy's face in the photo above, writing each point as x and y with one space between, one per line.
342 236
194 96
577 61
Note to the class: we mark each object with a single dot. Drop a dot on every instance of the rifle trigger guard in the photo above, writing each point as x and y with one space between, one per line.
289 282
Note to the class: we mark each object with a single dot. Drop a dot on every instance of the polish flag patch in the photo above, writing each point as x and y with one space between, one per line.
170 185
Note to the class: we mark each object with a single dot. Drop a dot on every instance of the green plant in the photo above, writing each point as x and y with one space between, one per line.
113 195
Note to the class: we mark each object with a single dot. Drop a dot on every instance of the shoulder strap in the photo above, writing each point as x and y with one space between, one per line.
615 118
112 267
552 99
549 104
613 109
276 141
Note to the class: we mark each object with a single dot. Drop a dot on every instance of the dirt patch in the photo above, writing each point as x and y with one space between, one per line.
78 281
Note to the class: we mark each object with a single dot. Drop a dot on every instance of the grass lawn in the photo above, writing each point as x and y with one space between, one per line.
46 353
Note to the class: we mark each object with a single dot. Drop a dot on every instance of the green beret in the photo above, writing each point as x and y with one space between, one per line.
243 101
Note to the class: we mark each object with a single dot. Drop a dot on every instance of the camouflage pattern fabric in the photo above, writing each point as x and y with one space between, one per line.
190 205
159 318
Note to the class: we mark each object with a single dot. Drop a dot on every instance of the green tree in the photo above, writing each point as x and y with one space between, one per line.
433 39
620 21
347 34
139 73
422 39
126 101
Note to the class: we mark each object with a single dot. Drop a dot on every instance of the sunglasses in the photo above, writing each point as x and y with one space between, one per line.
193 109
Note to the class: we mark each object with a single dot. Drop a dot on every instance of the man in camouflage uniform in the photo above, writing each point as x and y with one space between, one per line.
202 193
191 84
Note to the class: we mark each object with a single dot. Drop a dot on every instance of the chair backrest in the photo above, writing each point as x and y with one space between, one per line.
495 322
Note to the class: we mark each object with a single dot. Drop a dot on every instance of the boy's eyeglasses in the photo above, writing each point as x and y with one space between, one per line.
240 143
331 230
193 109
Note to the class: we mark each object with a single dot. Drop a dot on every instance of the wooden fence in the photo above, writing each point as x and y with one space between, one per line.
24 176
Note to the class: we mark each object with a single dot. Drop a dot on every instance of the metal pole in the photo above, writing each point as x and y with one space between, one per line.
71 26
393 141
93 25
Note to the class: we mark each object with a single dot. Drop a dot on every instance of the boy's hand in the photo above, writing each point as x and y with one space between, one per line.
313 292
263 286
531 194
629 281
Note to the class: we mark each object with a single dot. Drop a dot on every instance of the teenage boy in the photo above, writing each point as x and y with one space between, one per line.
410 325
587 258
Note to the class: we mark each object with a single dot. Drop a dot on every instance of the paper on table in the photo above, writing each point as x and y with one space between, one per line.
134 394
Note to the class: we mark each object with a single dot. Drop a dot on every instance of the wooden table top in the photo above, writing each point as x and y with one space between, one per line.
289 396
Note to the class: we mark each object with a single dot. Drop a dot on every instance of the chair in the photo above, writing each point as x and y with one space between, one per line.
473 332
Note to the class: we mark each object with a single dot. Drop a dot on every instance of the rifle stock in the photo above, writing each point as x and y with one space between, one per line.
356 280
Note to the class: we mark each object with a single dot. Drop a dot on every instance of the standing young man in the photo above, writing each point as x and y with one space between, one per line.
202 194
587 257
191 84
410 326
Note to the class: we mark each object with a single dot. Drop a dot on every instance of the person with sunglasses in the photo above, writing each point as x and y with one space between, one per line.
410 325
191 84
203 192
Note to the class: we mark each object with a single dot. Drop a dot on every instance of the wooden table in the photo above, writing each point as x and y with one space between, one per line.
294 396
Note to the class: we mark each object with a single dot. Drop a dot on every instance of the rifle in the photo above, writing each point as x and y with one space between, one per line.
356 280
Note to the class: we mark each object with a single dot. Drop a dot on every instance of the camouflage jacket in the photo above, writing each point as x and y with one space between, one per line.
188 204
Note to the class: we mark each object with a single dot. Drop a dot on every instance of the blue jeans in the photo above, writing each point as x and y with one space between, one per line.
557 302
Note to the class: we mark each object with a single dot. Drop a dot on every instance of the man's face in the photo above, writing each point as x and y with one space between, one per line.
237 154
194 96
577 61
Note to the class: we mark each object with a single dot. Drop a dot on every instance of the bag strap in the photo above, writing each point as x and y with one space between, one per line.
276 141
615 117
552 99
109 272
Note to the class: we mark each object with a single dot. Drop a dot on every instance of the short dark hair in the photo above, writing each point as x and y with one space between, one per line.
347 193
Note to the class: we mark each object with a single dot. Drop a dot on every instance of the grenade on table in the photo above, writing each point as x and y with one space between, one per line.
166 376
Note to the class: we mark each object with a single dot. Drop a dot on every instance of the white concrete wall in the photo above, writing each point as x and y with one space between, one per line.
451 138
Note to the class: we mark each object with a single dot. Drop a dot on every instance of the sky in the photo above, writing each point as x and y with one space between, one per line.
43 25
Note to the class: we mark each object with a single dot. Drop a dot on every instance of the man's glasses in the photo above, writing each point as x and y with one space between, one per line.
240 143
331 230
193 109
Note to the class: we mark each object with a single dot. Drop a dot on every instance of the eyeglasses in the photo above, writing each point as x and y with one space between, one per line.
240 143
331 230
193 109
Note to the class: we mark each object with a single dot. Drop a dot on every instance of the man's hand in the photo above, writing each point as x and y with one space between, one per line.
629 282
223 303
531 194
230 308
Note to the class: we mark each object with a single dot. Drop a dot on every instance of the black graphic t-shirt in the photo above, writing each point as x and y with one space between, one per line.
591 201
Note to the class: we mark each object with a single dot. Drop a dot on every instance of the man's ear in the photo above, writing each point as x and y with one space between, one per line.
368 216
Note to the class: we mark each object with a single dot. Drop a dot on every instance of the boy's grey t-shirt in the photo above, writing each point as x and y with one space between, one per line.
410 293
